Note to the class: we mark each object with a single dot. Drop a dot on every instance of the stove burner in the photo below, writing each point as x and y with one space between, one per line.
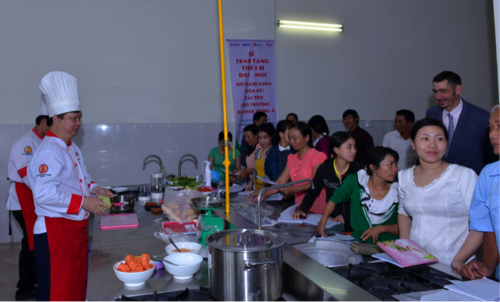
200 294
384 279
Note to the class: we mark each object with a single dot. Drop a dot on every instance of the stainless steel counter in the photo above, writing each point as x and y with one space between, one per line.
109 247
304 278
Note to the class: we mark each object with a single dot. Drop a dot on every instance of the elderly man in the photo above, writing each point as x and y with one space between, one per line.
62 190
399 140
467 124
484 215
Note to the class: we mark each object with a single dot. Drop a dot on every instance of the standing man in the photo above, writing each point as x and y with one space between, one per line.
20 201
399 140
292 117
62 191
364 140
467 124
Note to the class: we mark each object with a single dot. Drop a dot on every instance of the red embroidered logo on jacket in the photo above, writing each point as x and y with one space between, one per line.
28 150
43 168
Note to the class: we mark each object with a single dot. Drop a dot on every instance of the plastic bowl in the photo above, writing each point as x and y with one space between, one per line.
189 264
196 247
134 279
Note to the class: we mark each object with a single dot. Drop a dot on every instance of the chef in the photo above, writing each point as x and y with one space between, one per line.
64 195
20 201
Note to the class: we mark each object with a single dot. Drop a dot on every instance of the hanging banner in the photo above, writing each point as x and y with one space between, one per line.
253 81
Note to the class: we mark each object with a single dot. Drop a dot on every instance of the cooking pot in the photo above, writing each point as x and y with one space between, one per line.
245 265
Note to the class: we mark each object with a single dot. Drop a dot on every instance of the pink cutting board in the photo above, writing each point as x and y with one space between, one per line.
119 221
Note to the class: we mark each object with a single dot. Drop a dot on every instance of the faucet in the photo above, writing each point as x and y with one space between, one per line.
160 162
259 224
187 155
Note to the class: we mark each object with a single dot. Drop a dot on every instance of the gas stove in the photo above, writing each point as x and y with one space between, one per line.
383 280
187 295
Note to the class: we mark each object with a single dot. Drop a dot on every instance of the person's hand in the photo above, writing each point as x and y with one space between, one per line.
298 213
339 218
100 191
93 205
372 232
249 187
255 195
476 270
457 264
286 191
322 225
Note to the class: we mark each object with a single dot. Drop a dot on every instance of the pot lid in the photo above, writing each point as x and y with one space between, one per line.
244 240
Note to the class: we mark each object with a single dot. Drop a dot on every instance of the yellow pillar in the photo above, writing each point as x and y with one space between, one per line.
226 162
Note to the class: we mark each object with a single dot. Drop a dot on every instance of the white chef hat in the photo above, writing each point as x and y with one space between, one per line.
43 105
61 92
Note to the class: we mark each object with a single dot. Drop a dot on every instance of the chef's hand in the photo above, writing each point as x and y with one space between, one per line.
476 270
100 191
457 264
322 225
372 232
93 205
298 213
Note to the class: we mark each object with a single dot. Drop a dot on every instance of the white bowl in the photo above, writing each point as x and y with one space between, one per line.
196 247
133 279
189 264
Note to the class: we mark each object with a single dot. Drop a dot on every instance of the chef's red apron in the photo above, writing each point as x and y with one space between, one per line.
68 248
25 197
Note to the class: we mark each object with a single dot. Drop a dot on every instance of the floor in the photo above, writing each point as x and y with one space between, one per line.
9 274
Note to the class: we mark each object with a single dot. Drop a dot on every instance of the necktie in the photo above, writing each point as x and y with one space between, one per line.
451 131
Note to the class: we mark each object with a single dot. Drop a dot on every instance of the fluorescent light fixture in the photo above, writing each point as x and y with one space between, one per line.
308 25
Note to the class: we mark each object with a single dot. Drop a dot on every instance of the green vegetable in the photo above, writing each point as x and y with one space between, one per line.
185 182
106 200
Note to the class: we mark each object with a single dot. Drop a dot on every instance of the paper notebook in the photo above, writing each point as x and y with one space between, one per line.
404 253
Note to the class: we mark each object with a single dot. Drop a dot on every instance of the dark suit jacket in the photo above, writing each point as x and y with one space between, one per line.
470 146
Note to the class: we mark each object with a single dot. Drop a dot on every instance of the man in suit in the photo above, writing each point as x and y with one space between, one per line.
467 124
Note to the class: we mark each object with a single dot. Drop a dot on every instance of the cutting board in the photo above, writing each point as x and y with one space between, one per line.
119 221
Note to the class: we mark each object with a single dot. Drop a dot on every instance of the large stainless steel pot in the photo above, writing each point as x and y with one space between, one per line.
245 265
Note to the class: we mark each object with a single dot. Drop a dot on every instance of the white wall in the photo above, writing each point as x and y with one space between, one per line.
150 69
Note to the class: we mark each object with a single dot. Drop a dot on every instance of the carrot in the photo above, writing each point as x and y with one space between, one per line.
126 269
129 258
138 260
151 266
145 259
137 268
120 267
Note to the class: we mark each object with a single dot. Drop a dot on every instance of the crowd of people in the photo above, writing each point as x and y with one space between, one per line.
421 184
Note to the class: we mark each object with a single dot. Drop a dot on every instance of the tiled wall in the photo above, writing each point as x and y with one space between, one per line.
113 153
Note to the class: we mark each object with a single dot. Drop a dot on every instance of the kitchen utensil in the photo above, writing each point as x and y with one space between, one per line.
177 248
365 248
158 258
208 224
157 185
145 192
123 203
207 202
188 265
330 253
254 258
195 247
135 278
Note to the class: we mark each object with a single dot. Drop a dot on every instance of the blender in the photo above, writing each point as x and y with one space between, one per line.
158 182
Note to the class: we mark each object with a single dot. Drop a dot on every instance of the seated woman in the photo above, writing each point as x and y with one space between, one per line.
301 165
265 135
330 176
250 137
374 198
277 156
216 155
435 196
320 133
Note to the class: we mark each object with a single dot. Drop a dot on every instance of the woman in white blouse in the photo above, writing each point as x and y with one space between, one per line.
434 196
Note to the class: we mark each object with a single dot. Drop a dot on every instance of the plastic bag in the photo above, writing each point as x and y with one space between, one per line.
248 210
176 237
178 206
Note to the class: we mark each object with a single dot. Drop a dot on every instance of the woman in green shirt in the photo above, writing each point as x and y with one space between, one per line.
216 155
374 198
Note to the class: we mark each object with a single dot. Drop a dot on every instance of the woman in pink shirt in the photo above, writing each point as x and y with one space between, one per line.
301 165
